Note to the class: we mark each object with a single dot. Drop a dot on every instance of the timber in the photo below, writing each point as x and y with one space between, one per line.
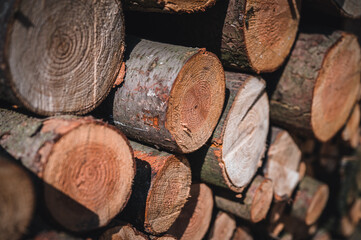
177 6
52 61
17 198
232 155
255 202
319 85
350 134
124 231
194 220
242 233
160 190
223 227
86 165
172 98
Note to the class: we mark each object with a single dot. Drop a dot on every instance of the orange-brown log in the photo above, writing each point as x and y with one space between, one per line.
17 198
322 234
53 58
160 190
172 98
123 231
319 85
351 132
242 233
223 227
86 165
195 217
255 201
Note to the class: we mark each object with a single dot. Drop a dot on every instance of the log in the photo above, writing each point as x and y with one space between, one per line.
310 200
86 165
242 233
172 98
124 231
223 227
232 155
160 189
17 198
255 202
345 8
52 61
283 159
319 85
247 35
177 6
164 237
351 132
195 217
54 235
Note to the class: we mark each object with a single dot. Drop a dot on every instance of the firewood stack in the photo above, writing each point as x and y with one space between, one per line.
184 120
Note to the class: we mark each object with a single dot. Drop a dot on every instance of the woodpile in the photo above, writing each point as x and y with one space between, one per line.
180 119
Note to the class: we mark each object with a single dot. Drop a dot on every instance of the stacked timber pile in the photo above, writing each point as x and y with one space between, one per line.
180 119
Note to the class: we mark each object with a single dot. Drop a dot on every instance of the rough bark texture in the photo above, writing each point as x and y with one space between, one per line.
254 204
53 58
223 227
172 96
193 222
319 85
177 6
17 198
238 143
345 8
310 200
160 190
283 159
123 232
86 165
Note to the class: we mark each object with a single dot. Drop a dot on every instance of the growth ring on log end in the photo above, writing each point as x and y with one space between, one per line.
60 57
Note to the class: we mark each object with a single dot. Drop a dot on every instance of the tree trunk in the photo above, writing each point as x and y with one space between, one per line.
172 98
238 143
223 227
283 159
17 199
123 232
160 190
319 85
95 188
310 200
53 58
254 204
177 6
193 222
247 35
345 8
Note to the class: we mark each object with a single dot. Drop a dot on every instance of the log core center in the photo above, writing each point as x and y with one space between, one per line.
317 204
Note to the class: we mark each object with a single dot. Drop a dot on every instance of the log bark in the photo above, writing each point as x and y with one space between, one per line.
178 6
254 204
247 35
17 198
283 159
172 98
319 85
310 200
223 227
195 217
232 155
160 190
86 165
124 231
52 57
350 134
345 8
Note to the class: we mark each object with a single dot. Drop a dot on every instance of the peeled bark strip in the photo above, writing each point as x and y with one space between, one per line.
223 227
87 166
172 98
256 203
239 140
319 85
160 190
175 6
59 57
310 200
283 159
351 132
123 232
346 8
17 198
193 222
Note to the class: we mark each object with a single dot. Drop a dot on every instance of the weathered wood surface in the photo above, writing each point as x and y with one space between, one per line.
59 57
172 96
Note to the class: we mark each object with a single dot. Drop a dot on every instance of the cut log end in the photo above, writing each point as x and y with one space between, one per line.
170 191
223 227
262 201
317 205
93 176
339 79
196 101
270 30
56 61
123 232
